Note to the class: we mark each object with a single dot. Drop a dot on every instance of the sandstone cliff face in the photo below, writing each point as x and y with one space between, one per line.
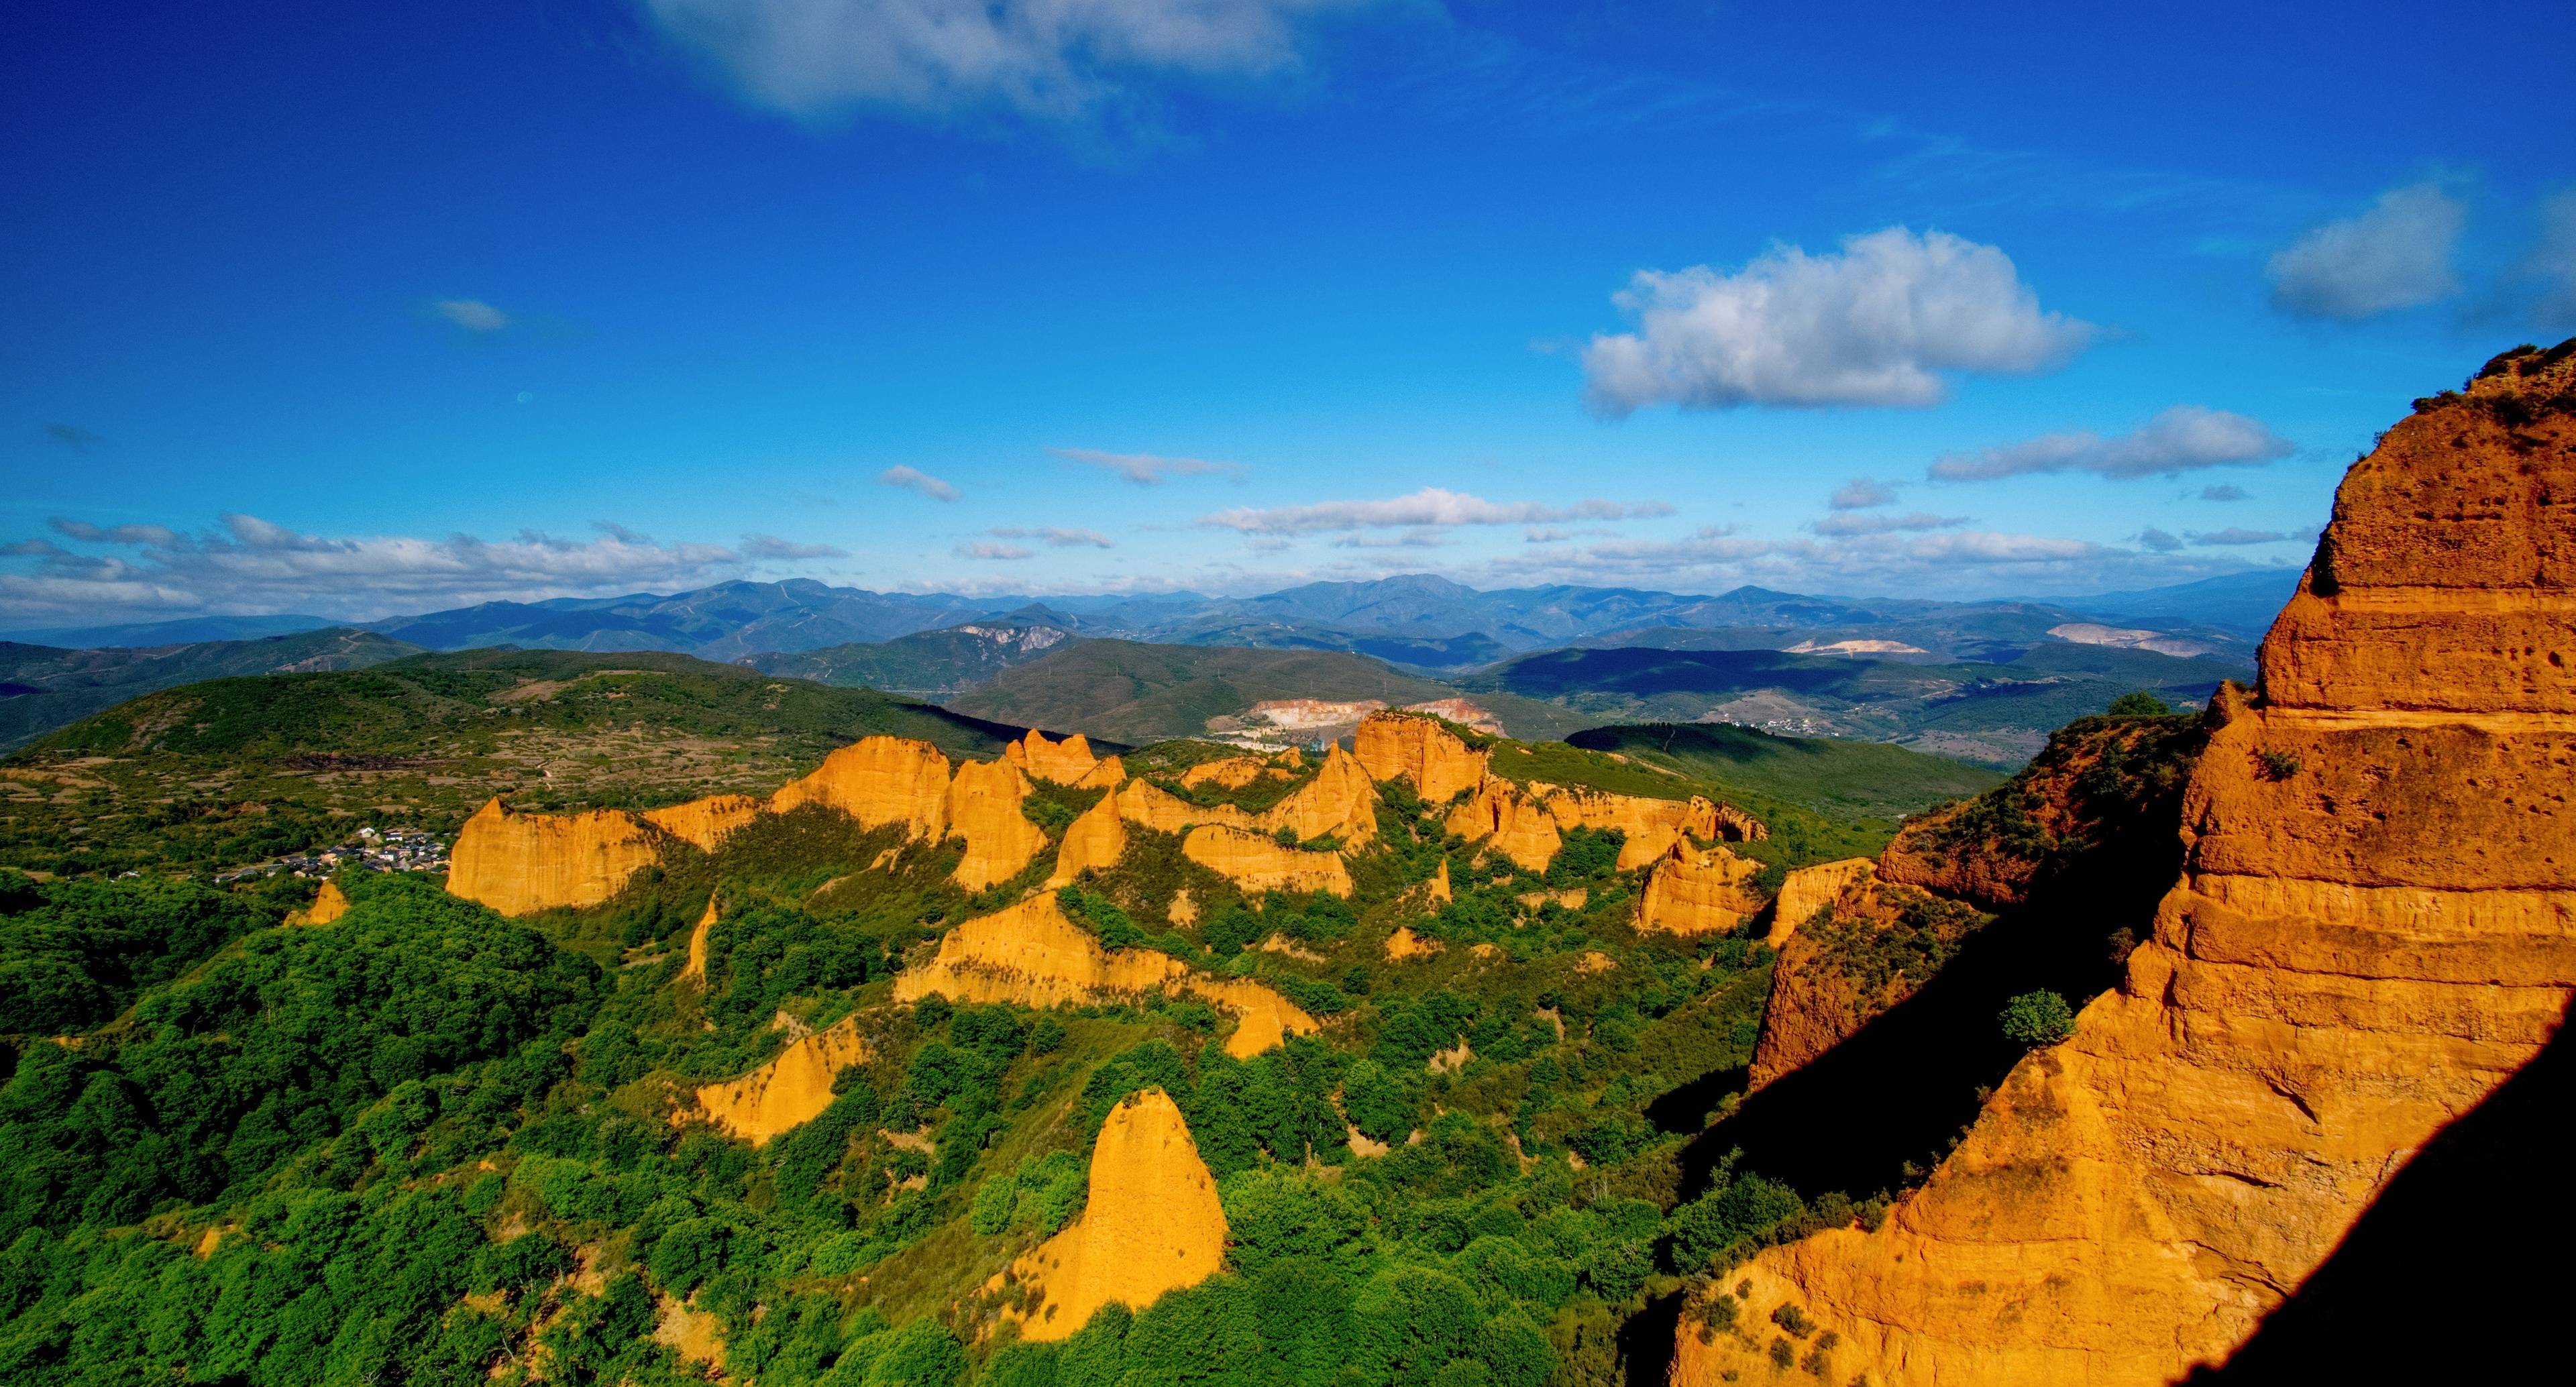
1150 805
984 809
1107 773
519 864
1031 955
1651 826
1509 822
1094 841
2375 926
1440 765
1235 772
329 904
1256 863
1699 891
1872 946
695 969
1341 801
1153 1224
705 822
878 781
1065 762
789 1091
1809 890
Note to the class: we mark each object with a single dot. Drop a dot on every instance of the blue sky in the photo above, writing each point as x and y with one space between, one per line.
357 311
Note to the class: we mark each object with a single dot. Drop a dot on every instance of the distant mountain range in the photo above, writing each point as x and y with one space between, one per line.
45 687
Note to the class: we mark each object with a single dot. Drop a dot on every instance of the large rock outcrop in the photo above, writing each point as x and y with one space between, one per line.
705 822
1409 746
1699 891
2375 927
1152 1224
1808 890
1509 822
519 864
1340 802
1651 826
1151 806
1064 763
1094 841
879 781
1257 863
1032 955
789 1091
984 809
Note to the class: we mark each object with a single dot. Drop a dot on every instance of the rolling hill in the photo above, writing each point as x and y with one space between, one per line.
44 687
927 663
1129 691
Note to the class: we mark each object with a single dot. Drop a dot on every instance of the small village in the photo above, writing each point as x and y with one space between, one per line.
371 849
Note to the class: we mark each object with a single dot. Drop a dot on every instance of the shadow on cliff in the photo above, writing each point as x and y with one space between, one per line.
1903 1085
2455 1271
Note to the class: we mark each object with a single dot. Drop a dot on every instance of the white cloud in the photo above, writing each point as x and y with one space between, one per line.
1057 537
1845 523
2396 255
1431 506
1547 534
2180 439
1410 539
2158 540
473 315
1148 469
254 565
1860 493
2235 535
1876 323
1048 58
985 549
2550 266
910 479
772 547
112 534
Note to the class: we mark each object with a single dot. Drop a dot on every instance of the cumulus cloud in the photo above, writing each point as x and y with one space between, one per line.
911 479
112 534
2158 540
2229 492
2396 255
1875 323
1860 493
1148 469
1545 534
985 549
1431 506
1057 537
253 565
2238 535
74 437
772 547
2550 266
473 315
1048 58
1846 523
2181 439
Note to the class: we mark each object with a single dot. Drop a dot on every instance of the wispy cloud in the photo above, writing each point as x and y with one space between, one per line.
251 564
2228 492
74 437
2234 536
990 550
2181 439
912 479
1056 537
1149 469
2158 540
2396 255
1860 493
1051 59
771 547
1431 506
1848 523
1410 539
473 315
1876 323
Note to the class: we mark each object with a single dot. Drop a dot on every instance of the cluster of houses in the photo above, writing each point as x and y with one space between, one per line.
372 850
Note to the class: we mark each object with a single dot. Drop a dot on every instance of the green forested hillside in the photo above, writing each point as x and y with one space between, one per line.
926 663
232 770
1128 691
42 688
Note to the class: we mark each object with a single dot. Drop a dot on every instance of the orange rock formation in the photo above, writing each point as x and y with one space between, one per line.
984 808
1698 891
1094 841
1142 802
1152 1224
1256 863
2370 934
695 970
1810 889
522 863
789 1091
1341 801
1065 762
1107 773
1651 826
1234 772
1440 765
1404 944
1030 954
329 904
1519 827
878 781
705 822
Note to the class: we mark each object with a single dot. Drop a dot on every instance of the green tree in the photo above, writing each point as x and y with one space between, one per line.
2037 1018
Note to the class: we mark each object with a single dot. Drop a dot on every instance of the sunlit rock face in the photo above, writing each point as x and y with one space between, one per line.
1440 764
2374 928
519 864
789 1091
1152 1224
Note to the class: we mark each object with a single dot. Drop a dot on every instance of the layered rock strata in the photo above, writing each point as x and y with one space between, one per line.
789 1091
1808 890
705 822
1257 863
1094 841
519 864
2375 927
1419 749
1152 1224
984 808
1699 891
